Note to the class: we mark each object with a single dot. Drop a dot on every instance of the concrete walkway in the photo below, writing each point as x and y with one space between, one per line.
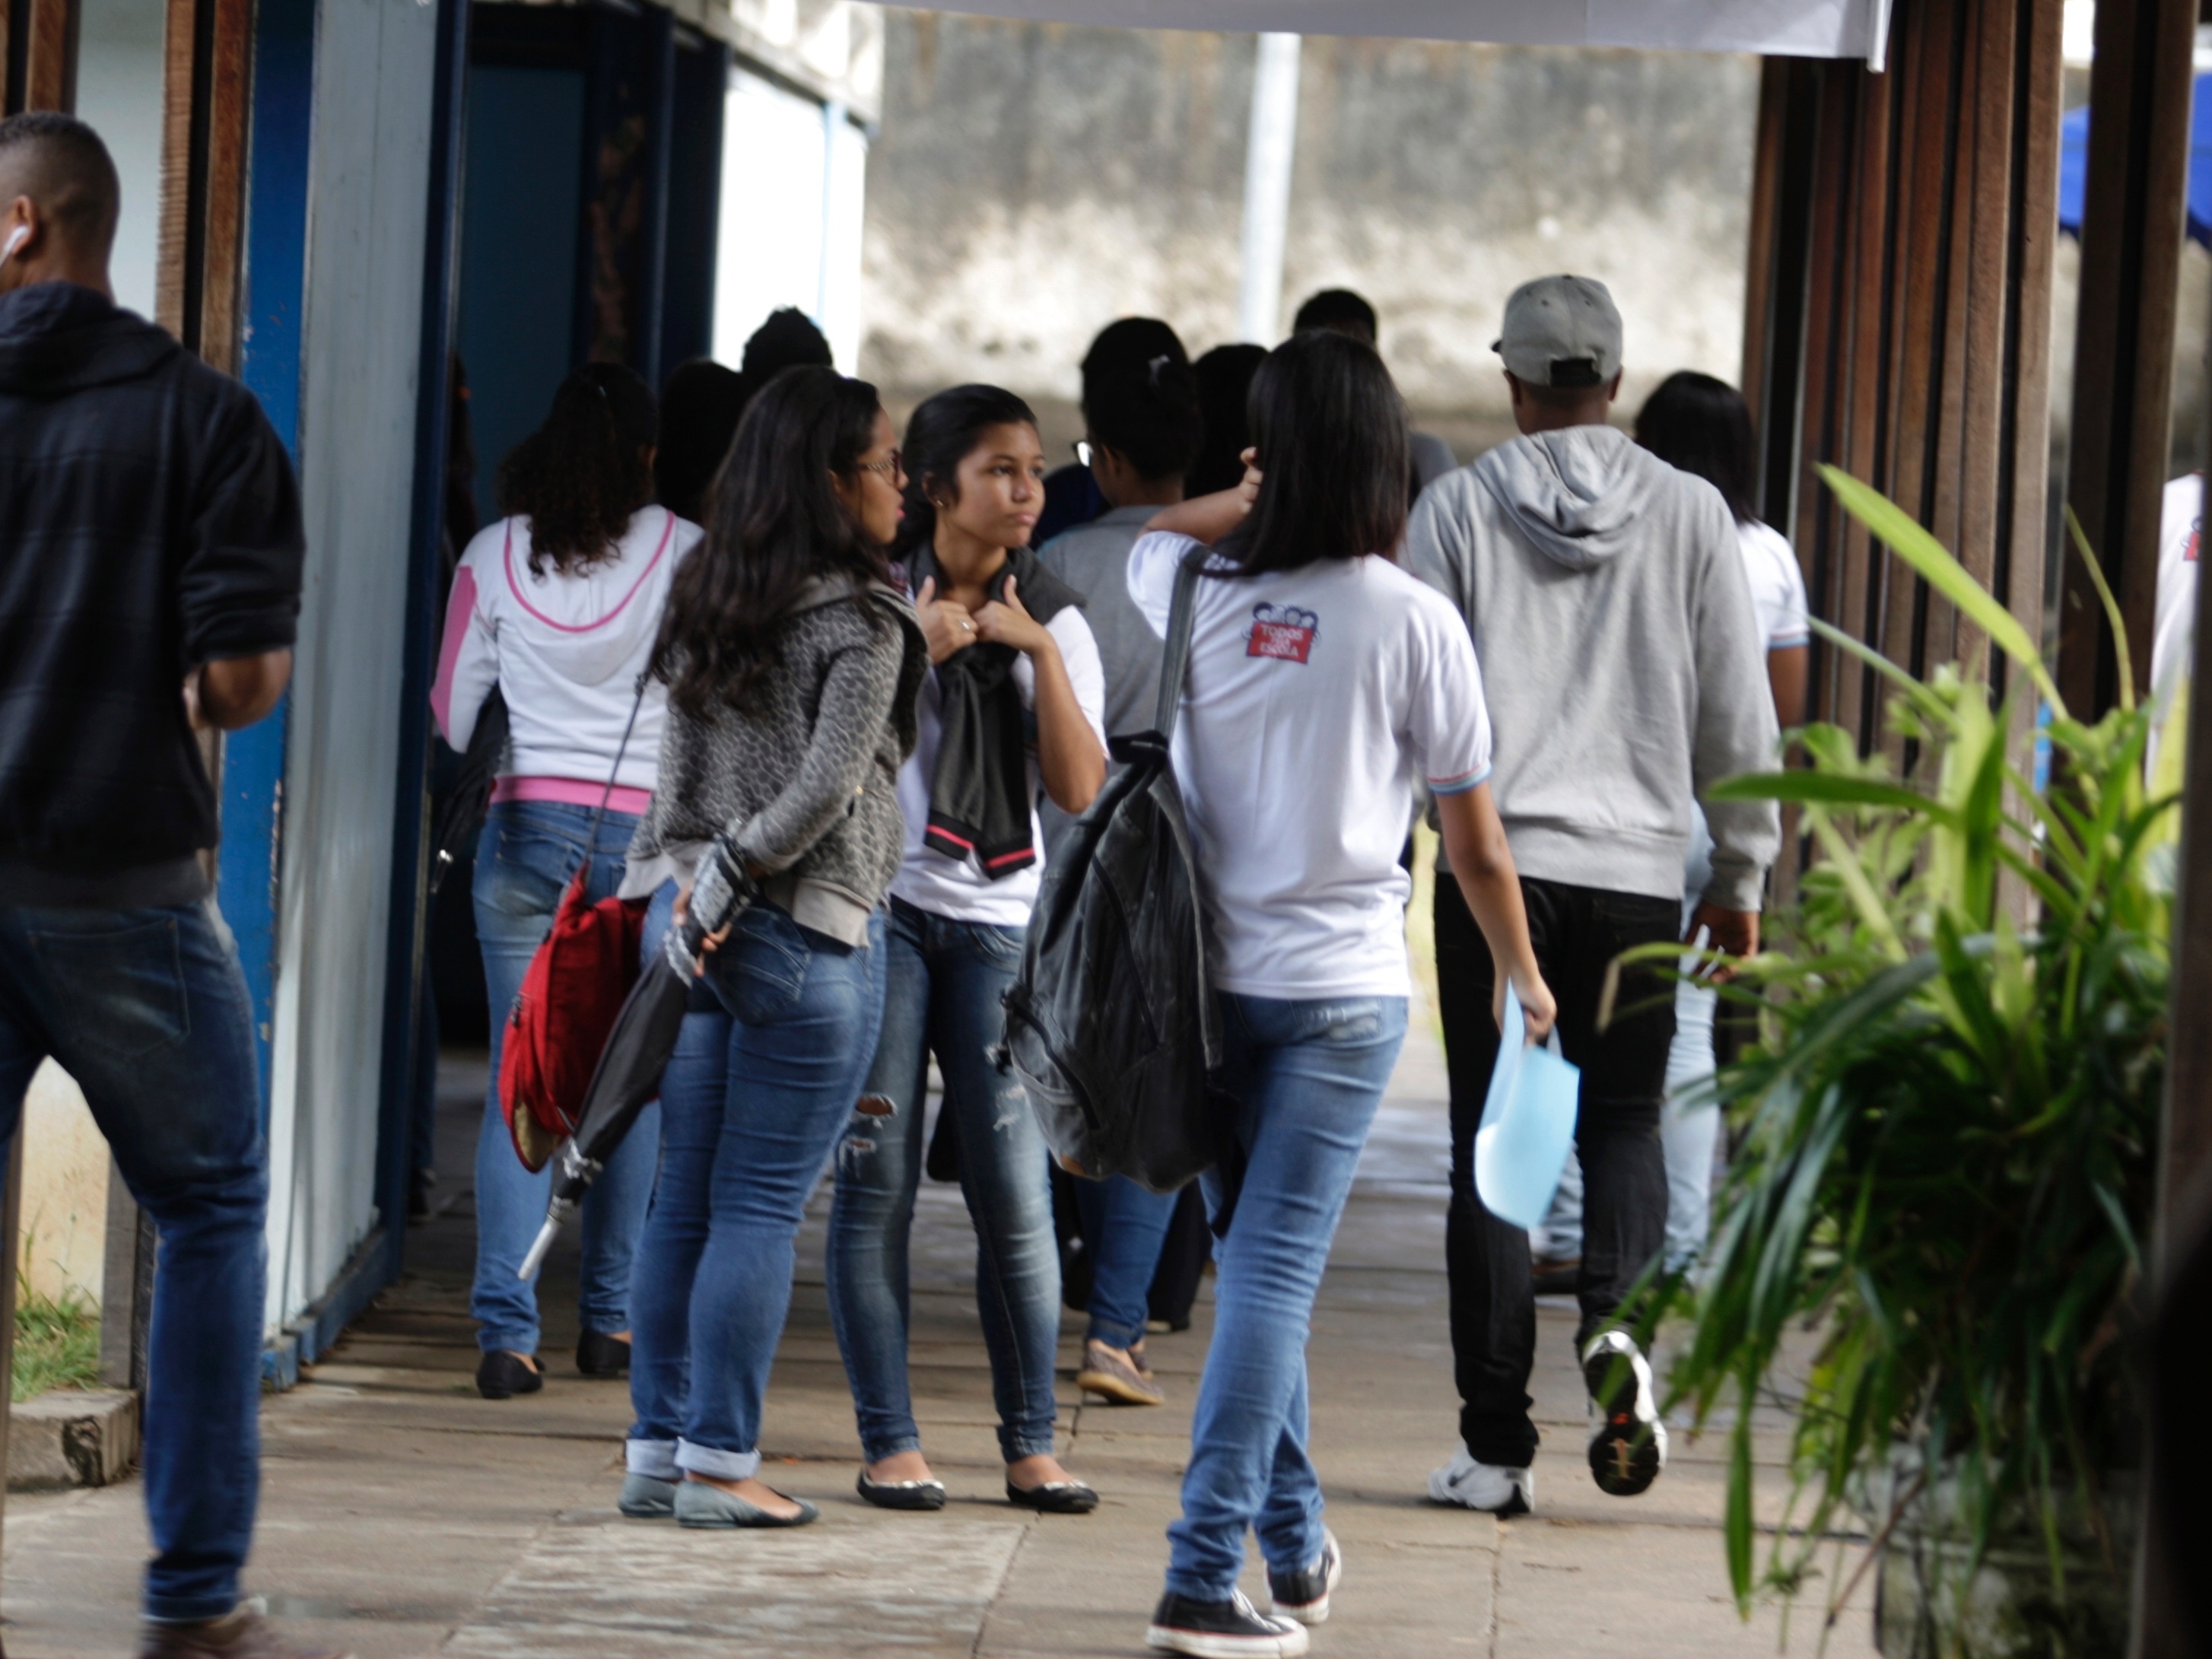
402 1515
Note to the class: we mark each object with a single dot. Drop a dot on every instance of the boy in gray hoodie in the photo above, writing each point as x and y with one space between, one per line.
1624 668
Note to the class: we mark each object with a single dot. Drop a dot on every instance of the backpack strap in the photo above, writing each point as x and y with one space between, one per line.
1176 657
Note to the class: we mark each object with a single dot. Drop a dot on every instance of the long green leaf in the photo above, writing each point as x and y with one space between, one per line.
1912 543
1737 1524
2089 562
1928 705
1827 789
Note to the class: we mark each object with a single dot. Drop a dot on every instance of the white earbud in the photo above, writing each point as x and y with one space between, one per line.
15 239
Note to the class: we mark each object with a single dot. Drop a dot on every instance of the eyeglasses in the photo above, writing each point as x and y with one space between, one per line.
893 469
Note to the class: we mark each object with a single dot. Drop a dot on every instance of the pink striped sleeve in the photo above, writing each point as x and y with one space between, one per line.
460 620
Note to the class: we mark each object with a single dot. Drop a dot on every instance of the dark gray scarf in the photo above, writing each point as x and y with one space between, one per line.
979 797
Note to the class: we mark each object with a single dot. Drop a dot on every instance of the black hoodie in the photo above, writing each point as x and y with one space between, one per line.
148 522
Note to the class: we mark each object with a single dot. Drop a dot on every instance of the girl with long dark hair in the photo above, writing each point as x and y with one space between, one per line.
1014 707
556 606
792 664
1322 680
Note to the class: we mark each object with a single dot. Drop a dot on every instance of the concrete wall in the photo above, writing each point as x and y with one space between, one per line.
118 90
63 1242
1033 181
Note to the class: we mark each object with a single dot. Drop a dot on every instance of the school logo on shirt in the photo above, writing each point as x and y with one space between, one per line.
1281 631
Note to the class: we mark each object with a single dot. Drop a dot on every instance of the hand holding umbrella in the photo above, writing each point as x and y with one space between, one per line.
644 1036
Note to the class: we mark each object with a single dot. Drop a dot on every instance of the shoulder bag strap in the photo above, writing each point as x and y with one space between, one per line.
592 842
1176 657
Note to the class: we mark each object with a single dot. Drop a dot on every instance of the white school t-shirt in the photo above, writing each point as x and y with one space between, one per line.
1777 585
927 880
1313 699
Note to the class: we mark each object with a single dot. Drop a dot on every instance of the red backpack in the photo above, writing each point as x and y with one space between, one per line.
569 998
560 1022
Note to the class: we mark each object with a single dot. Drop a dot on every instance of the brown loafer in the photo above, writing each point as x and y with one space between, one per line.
241 1634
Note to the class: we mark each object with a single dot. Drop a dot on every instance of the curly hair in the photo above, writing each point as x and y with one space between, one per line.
580 477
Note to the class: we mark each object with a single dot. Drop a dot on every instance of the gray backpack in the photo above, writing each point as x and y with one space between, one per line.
1112 1024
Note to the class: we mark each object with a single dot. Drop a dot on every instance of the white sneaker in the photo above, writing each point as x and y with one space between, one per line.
1487 1486
1628 1442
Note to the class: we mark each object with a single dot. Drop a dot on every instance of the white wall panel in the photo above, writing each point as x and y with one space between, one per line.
794 176
368 207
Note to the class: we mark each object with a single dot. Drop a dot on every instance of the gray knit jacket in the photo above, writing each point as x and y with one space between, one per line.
805 781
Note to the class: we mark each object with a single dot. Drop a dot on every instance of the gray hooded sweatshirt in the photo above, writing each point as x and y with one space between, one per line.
1620 659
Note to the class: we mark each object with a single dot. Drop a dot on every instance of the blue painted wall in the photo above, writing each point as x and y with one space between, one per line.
517 287
249 863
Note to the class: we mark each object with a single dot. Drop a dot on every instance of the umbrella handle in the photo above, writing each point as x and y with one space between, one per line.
556 1214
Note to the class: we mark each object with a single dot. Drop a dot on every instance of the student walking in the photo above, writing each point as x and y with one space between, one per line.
1314 657
1703 425
791 665
557 605
1339 311
1143 428
150 551
1606 596
1014 705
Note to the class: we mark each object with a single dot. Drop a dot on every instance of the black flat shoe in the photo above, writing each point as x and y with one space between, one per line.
901 1494
1054 1497
503 1375
598 1354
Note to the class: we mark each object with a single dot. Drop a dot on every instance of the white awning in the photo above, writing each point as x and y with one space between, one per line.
1788 28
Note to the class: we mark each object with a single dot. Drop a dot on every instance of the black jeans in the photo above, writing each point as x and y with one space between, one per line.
1577 932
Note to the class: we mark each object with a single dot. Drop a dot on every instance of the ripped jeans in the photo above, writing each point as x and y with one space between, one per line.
943 982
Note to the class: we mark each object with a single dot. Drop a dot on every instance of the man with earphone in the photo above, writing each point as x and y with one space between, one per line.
150 551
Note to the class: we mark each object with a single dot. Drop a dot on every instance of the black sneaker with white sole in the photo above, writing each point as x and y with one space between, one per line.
1303 1595
1222 1630
1628 1442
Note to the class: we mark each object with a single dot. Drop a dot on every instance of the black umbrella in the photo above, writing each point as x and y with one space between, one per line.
628 1075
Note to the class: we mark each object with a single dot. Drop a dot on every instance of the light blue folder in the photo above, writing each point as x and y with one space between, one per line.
1528 1124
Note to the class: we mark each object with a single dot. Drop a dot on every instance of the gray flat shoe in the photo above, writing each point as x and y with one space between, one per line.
646 1498
698 1505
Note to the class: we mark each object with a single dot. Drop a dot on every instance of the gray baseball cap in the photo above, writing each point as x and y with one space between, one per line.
1561 330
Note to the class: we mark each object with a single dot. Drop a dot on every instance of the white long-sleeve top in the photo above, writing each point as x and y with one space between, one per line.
566 652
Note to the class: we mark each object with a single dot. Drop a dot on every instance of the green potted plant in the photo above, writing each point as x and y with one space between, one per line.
1949 1127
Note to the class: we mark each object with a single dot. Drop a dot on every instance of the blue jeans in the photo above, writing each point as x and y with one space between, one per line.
1124 1226
148 1011
751 1106
526 859
1688 1134
942 979
1306 1078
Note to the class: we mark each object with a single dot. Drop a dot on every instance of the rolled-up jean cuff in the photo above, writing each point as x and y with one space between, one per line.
720 1464
1021 1449
1114 1336
876 1450
656 1458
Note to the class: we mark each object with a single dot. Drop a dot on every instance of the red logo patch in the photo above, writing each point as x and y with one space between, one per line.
1282 632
